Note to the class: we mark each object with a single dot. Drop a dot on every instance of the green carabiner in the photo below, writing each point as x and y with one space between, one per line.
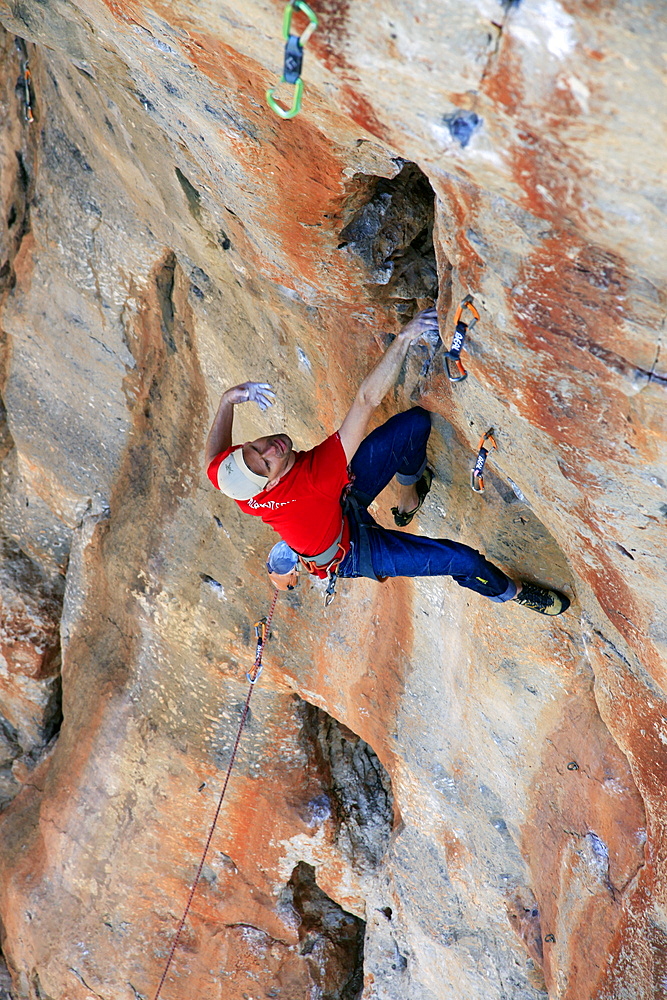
293 60
287 20
296 102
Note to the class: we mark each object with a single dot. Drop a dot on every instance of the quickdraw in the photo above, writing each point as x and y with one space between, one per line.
263 635
460 332
293 61
477 472
27 79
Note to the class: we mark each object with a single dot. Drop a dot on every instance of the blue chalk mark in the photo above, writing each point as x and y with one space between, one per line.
462 125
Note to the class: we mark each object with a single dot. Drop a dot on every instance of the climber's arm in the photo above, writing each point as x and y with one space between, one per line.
379 381
220 435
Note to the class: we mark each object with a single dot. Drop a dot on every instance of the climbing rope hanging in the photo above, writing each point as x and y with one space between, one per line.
293 61
262 631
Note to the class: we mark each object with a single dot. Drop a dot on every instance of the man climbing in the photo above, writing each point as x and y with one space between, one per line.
318 500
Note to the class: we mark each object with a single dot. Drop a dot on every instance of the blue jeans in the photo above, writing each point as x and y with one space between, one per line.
398 448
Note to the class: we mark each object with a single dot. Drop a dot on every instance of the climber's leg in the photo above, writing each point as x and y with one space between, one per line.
396 448
377 552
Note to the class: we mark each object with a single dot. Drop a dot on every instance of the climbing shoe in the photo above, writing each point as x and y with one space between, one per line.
403 517
541 599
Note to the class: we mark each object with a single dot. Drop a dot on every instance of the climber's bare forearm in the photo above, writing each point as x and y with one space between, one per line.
220 435
379 381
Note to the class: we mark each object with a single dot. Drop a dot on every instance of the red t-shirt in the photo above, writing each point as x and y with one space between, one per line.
304 508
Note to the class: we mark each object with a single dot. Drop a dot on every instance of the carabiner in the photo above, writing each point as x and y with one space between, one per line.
253 680
477 472
263 635
460 332
330 592
287 20
296 101
261 632
293 60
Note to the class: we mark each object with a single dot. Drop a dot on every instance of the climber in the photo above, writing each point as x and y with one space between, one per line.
317 500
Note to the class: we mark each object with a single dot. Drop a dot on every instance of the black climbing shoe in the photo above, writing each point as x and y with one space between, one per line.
541 599
403 517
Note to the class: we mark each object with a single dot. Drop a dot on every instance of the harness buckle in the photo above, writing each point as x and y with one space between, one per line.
293 58
477 471
461 330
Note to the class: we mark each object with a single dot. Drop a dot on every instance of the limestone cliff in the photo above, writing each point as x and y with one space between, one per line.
436 797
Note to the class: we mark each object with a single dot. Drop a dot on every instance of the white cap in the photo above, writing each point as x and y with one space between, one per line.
236 480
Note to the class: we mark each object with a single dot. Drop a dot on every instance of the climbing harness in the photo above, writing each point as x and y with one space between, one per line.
293 61
325 565
330 567
263 633
477 472
460 332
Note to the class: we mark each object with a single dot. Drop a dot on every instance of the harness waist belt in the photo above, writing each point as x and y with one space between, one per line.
323 558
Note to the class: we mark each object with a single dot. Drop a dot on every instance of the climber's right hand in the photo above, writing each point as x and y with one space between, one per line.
251 392
424 323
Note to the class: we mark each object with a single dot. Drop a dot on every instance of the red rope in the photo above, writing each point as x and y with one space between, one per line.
244 714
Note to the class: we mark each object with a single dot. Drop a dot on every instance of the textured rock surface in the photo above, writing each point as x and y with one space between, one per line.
475 791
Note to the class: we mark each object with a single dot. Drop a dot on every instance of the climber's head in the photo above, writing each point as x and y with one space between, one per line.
235 479
247 469
270 457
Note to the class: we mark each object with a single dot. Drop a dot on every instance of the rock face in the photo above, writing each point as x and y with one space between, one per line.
435 797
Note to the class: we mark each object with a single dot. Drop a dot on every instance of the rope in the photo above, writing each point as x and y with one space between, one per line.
253 677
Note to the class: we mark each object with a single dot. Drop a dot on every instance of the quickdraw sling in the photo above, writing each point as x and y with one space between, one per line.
453 365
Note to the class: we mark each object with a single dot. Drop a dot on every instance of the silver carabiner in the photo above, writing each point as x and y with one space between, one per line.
253 680
330 592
